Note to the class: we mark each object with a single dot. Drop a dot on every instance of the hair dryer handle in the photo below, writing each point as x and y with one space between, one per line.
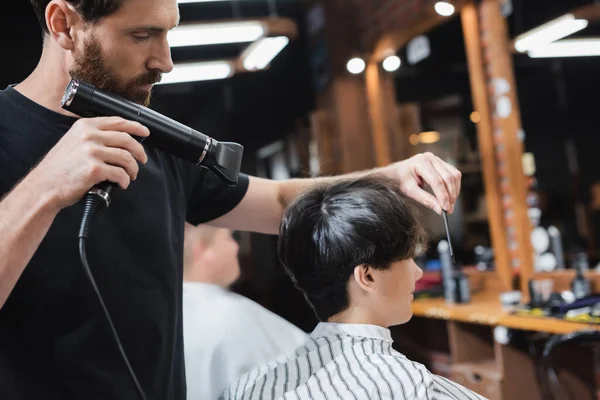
103 191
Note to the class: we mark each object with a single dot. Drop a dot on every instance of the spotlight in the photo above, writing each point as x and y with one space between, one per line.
414 139
429 137
568 48
356 65
549 32
198 71
444 8
475 117
391 63
260 53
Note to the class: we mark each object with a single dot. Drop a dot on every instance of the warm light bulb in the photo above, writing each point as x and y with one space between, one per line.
429 137
475 117
414 139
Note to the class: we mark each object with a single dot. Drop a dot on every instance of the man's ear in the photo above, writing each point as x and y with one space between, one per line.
63 22
365 278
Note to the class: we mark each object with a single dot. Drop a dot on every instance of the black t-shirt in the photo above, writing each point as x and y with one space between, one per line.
55 342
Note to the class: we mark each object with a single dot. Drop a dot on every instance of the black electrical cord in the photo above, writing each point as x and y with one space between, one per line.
93 203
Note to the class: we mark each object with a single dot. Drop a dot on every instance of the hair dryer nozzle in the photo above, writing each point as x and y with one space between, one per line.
225 160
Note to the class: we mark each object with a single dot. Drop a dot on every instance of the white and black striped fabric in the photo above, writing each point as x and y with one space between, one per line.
346 361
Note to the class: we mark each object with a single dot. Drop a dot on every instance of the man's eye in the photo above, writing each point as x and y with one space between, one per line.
139 38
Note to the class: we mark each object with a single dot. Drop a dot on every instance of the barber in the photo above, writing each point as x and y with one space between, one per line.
54 340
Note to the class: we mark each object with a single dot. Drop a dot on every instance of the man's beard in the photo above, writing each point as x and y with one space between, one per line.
90 67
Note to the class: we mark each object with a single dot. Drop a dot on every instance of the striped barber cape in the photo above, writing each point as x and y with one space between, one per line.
346 361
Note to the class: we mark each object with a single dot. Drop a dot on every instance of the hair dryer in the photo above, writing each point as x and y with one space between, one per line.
166 134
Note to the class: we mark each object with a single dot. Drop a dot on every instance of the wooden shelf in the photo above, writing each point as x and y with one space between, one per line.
562 279
485 309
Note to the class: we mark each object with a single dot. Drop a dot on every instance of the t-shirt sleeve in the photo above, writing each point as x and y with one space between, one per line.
208 197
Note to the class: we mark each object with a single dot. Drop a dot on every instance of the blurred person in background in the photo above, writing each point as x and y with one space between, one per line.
55 341
224 334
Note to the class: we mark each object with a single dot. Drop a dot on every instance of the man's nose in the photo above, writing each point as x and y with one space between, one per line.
162 60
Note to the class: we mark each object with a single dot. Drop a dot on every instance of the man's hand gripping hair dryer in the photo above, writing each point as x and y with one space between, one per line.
166 134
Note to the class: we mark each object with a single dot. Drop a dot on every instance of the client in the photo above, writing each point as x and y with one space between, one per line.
349 247
225 334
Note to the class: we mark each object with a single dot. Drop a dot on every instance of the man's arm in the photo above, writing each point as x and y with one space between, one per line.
25 217
262 207
92 151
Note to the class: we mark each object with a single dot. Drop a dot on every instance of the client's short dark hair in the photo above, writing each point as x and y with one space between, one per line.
90 10
333 228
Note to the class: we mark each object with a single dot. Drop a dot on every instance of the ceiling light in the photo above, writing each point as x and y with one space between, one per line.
568 48
356 65
215 33
444 8
260 53
429 137
549 32
391 63
198 71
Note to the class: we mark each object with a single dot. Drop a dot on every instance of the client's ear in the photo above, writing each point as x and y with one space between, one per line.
364 277
199 249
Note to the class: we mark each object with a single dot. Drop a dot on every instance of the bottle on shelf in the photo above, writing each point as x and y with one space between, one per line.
580 285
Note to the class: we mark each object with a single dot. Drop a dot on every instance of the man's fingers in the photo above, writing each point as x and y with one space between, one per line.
124 125
432 177
118 175
119 158
456 176
423 197
451 181
124 141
